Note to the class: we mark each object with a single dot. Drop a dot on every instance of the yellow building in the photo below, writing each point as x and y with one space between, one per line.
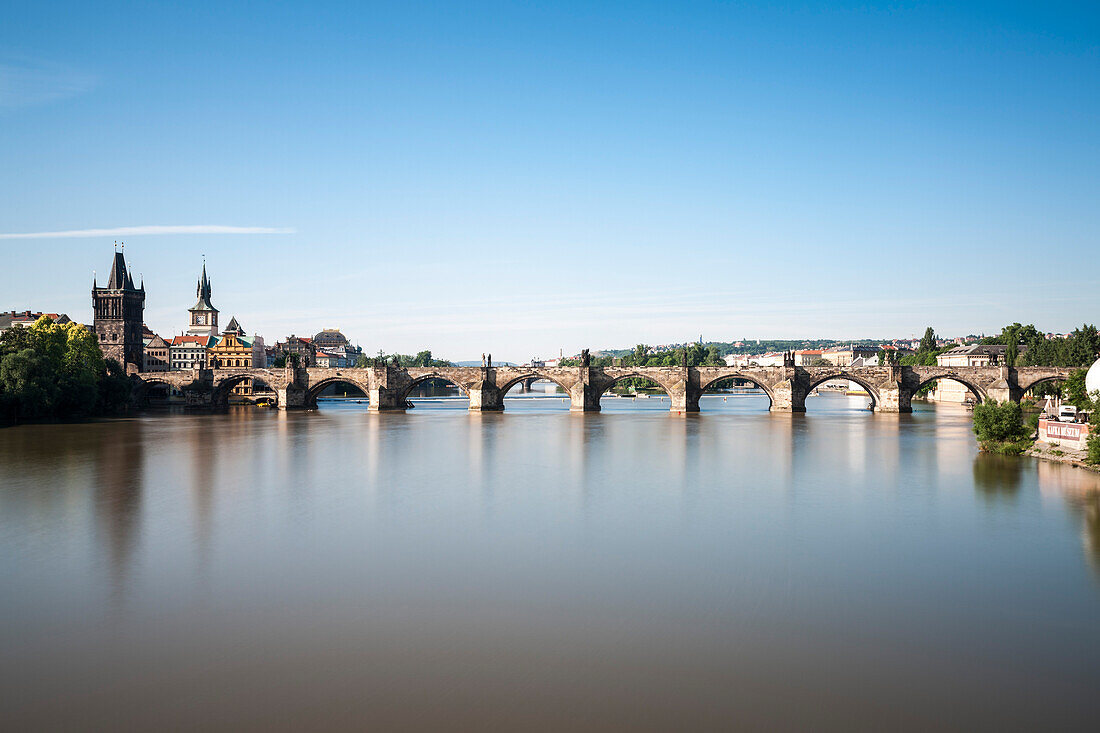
235 350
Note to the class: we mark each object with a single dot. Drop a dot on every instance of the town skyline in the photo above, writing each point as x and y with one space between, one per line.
182 327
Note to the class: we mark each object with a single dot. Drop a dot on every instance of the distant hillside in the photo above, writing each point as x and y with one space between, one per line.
751 347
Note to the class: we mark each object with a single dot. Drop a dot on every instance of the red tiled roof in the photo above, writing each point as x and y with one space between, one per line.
179 340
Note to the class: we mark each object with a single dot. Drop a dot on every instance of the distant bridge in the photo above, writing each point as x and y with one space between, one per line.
890 387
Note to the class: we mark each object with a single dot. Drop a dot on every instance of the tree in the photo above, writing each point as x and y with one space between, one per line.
1074 390
1012 345
638 357
28 384
1000 427
928 341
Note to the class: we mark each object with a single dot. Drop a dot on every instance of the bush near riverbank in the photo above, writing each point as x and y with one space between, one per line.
57 371
1000 428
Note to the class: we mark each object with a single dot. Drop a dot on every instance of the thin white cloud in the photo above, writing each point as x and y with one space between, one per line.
34 83
150 230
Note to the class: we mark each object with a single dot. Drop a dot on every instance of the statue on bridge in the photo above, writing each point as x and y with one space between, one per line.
586 360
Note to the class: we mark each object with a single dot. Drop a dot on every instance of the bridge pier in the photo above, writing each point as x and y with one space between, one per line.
486 397
789 396
893 399
1006 388
291 397
684 394
686 400
384 399
584 397
198 399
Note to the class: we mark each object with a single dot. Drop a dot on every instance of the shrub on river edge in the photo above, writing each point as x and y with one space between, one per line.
1000 428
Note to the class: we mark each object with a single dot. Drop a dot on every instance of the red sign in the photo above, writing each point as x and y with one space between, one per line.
1063 430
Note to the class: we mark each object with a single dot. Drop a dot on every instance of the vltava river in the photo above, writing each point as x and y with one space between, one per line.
540 570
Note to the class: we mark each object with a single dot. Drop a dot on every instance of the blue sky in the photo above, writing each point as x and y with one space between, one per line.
521 178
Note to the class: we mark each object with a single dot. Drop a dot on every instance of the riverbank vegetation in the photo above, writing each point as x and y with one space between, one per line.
1000 428
57 371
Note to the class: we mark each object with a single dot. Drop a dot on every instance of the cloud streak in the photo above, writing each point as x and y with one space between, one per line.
30 84
150 230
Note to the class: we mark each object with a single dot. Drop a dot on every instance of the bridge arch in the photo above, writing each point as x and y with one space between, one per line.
317 388
613 380
703 387
420 379
817 380
140 391
979 393
507 386
1025 385
225 385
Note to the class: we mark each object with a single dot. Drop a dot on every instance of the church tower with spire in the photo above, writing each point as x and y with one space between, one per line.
204 316
119 312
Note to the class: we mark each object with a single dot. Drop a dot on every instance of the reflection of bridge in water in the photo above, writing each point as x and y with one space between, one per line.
891 388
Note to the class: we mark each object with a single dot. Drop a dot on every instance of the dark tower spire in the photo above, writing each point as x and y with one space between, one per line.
118 310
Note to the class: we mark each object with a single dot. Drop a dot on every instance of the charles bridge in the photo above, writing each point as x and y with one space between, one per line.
891 387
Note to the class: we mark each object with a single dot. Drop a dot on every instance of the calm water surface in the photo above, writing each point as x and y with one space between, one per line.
540 570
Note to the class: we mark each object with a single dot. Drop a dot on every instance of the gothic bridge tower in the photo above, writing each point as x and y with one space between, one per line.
119 313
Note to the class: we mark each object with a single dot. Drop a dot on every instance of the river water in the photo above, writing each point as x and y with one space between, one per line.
541 570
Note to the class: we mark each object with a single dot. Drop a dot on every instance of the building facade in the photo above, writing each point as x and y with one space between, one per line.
975 355
119 309
189 352
28 318
156 355
329 338
301 346
846 356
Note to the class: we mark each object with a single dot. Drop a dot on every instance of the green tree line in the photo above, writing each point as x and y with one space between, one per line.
57 371
422 359
696 354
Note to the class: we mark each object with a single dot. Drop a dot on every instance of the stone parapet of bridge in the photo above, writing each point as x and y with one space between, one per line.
891 388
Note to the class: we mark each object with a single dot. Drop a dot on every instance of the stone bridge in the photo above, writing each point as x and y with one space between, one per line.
890 387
